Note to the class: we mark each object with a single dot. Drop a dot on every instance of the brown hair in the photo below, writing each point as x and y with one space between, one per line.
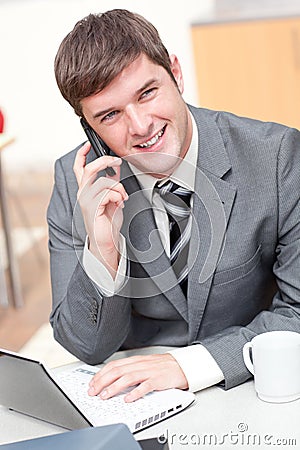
99 47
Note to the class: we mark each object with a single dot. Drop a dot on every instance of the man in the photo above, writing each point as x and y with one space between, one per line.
120 277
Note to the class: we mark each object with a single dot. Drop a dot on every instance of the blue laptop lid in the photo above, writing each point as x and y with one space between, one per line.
109 437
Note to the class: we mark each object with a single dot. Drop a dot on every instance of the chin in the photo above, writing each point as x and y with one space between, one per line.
161 164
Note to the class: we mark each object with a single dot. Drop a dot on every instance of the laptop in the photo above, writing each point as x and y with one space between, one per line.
60 396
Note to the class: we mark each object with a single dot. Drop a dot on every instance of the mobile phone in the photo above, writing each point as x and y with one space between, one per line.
98 145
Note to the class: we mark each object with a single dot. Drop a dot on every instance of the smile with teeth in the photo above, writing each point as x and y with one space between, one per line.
153 140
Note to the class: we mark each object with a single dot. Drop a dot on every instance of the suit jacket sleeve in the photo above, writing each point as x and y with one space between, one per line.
284 313
81 316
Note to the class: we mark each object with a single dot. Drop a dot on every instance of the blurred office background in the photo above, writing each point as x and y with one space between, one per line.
238 55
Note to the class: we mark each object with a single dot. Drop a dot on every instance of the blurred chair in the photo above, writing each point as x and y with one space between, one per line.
13 272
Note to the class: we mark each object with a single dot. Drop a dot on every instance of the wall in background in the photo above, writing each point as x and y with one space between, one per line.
44 125
254 8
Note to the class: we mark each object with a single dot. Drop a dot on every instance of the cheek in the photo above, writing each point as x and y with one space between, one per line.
174 107
183 130
116 140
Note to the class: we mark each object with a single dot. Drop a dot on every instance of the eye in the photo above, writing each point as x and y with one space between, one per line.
148 93
109 116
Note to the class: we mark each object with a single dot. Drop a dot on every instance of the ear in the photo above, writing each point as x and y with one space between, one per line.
176 71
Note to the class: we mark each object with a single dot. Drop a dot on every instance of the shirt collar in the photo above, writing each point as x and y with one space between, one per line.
184 174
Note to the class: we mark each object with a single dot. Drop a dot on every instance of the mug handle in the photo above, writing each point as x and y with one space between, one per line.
246 356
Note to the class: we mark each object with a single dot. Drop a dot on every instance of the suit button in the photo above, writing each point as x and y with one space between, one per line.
94 318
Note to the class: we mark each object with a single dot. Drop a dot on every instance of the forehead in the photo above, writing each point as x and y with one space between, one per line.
135 75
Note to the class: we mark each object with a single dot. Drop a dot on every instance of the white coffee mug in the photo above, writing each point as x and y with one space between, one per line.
274 360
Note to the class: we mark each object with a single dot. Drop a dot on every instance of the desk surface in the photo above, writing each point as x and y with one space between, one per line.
225 419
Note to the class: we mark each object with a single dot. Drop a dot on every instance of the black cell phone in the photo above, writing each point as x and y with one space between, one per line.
98 145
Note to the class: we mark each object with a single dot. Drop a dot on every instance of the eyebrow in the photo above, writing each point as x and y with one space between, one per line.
138 92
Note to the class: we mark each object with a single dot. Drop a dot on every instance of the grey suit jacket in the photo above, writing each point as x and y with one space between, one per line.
244 260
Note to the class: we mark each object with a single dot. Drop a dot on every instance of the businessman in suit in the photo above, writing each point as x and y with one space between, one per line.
116 283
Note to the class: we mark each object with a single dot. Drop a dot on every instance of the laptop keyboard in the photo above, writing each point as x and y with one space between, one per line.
137 415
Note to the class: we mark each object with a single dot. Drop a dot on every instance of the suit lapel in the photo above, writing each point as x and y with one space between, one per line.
213 201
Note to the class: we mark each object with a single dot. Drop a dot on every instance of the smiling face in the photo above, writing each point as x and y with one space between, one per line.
142 117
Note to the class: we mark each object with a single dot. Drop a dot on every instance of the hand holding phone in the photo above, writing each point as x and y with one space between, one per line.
98 145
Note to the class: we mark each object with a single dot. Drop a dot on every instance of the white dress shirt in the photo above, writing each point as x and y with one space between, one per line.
199 367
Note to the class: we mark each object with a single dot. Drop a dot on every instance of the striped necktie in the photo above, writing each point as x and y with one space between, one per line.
176 200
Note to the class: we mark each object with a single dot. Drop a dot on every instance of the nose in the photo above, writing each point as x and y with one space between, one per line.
138 121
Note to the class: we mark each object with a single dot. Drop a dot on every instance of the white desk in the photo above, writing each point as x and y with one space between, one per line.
234 419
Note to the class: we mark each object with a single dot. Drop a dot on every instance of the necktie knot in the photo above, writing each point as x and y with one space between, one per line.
176 199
